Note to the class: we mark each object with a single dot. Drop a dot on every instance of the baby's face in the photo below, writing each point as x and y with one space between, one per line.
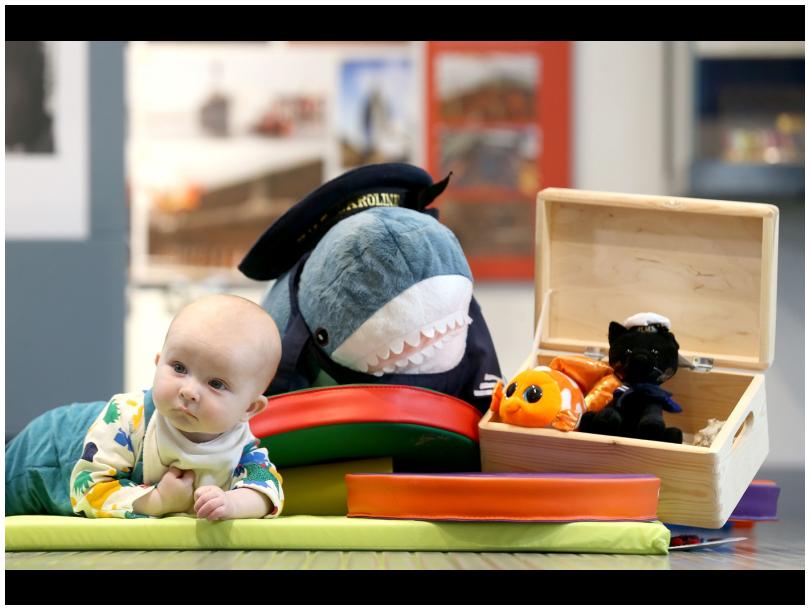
207 381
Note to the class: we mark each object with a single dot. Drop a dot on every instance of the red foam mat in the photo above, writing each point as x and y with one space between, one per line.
351 404
504 497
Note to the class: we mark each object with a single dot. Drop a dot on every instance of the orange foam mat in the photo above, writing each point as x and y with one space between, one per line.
504 497
352 404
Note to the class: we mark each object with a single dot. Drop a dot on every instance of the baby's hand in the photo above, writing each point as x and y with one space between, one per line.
176 490
212 503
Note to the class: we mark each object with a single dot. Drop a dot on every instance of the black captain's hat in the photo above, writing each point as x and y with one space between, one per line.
300 228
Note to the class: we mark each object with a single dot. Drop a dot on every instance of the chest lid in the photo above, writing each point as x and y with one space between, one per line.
709 266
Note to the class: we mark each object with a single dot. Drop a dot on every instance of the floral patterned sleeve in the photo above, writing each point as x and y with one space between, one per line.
256 471
100 484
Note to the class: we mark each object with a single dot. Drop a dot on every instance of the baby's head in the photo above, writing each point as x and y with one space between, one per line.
220 354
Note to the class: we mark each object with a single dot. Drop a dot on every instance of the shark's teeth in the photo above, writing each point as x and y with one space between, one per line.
417 351
414 339
398 329
397 345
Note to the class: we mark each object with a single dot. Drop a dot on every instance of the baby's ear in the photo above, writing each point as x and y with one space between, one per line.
157 358
256 407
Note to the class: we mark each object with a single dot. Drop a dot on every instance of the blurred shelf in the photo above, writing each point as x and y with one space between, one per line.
761 182
730 49
181 277
218 162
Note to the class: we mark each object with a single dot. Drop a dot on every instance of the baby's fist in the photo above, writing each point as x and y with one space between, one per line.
211 503
175 490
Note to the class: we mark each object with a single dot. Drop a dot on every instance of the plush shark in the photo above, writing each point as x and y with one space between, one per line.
385 291
384 296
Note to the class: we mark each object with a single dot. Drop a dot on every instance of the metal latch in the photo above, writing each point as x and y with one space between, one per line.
597 353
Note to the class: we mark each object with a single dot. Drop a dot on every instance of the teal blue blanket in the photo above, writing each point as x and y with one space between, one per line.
39 459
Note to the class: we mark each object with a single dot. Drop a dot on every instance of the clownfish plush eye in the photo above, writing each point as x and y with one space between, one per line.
533 393
511 389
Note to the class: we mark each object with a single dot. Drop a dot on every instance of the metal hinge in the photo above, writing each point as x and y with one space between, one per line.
699 364
597 353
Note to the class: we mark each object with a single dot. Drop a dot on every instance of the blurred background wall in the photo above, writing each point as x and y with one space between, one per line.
191 150
66 239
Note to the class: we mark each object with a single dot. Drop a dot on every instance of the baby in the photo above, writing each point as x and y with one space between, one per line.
196 454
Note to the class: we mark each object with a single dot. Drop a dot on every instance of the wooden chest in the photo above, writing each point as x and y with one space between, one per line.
710 267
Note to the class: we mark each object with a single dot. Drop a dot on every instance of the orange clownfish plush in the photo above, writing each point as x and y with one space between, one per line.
539 398
557 395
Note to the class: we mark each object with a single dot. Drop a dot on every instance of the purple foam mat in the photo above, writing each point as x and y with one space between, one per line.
759 502
520 475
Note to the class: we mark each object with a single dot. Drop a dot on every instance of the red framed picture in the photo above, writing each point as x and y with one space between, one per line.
498 117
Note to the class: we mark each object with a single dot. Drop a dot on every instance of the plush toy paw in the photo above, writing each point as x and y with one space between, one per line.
653 428
607 421
650 428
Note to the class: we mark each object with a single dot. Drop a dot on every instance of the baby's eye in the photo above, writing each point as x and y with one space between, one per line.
217 384
179 367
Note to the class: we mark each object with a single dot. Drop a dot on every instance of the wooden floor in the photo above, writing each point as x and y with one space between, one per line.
769 546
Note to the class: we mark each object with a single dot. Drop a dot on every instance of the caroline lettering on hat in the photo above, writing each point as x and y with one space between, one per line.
371 200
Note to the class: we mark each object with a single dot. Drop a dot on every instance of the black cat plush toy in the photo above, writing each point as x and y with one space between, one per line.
643 354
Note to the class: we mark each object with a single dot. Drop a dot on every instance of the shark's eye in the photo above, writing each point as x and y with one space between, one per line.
533 393
511 389
322 337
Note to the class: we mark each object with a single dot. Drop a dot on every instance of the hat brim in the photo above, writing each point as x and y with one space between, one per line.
300 228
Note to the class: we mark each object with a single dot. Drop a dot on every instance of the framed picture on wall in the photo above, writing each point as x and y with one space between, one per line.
223 139
375 119
47 193
498 117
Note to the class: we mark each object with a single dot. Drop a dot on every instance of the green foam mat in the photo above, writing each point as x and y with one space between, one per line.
413 448
305 532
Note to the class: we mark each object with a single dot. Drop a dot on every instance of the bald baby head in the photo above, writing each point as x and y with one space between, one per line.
236 328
